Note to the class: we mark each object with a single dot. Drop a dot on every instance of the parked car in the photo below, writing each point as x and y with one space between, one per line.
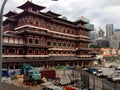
92 70
86 69
116 78
112 66
109 77
104 72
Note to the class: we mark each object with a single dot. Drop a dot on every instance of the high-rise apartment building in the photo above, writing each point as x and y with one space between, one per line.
109 30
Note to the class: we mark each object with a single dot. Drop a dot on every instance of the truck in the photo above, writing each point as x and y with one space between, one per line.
104 72
30 75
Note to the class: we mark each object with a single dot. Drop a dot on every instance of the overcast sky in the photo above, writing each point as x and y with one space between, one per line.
100 12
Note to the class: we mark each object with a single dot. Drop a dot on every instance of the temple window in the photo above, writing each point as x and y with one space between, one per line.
72 45
11 50
63 30
68 31
23 22
3 50
36 51
68 52
54 27
42 41
30 40
30 21
59 44
48 43
37 23
48 25
68 45
59 52
54 43
54 52
64 44
42 23
59 28
36 41
72 32
21 51
30 51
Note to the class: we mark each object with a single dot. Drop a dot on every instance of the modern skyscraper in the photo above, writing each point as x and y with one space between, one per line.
109 30
94 35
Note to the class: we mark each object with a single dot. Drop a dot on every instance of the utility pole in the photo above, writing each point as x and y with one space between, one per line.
1 30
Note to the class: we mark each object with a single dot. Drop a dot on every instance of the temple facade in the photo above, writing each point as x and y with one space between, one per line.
43 38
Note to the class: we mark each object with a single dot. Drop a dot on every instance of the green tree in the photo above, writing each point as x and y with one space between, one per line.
99 61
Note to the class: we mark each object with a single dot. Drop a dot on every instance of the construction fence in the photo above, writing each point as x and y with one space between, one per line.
94 83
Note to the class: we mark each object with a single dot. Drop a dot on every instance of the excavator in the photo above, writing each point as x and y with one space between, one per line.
30 75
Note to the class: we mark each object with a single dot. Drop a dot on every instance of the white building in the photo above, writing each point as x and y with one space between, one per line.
114 40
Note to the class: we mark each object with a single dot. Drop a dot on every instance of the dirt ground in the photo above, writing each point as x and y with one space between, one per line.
28 87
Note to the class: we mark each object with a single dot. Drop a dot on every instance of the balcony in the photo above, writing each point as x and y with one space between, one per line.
85 49
37 45
23 56
63 37
84 56
85 40
13 44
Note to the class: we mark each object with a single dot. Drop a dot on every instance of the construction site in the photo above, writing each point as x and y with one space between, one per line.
30 78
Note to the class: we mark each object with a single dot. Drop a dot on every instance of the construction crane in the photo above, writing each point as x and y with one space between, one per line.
30 75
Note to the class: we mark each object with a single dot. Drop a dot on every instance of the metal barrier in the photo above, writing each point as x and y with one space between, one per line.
98 83
91 82
117 87
94 83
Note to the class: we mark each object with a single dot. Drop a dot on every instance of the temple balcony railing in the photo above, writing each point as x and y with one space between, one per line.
83 48
37 45
83 39
84 56
27 45
62 49
23 56
61 55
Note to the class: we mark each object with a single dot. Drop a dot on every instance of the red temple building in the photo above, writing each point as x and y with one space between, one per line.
43 38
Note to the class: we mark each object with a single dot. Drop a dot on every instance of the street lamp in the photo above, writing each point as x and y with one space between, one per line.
1 30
